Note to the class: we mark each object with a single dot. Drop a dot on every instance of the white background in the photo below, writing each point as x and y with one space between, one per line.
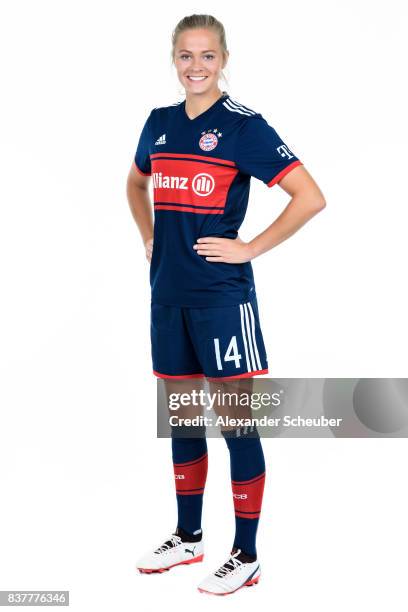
85 486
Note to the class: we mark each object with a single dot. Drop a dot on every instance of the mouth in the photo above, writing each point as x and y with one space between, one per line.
196 78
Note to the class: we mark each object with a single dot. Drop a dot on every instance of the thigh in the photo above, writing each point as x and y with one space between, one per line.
232 401
228 340
173 354
186 387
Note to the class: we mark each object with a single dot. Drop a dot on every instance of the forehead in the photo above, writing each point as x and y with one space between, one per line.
198 39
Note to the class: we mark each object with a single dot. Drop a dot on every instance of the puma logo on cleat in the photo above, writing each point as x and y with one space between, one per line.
190 551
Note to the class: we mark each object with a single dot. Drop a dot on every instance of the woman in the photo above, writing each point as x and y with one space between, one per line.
201 154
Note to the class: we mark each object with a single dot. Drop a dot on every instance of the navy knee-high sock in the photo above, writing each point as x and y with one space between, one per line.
248 481
190 461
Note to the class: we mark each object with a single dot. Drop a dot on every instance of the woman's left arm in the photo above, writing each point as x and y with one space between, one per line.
306 201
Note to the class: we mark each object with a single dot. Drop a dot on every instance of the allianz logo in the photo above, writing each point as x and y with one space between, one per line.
202 184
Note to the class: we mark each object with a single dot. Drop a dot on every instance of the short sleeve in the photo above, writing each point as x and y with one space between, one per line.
142 156
260 152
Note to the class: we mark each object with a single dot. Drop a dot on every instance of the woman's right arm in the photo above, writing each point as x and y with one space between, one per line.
139 202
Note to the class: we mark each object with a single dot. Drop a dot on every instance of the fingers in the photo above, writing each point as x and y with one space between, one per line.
210 249
217 249
208 241
210 252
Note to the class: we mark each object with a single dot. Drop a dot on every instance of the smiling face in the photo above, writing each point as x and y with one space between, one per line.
199 59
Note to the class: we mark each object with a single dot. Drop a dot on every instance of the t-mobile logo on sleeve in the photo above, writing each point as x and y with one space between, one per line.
285 152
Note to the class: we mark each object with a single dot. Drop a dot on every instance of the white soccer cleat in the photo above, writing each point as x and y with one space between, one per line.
231 576
173 552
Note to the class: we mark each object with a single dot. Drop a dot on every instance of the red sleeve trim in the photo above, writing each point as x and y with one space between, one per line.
283 172
140 172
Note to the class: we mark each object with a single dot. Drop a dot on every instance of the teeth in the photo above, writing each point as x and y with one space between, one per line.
197 78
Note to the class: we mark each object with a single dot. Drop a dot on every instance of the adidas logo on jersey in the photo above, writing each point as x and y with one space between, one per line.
161 140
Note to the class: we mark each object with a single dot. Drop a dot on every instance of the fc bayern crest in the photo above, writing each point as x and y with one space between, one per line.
209 139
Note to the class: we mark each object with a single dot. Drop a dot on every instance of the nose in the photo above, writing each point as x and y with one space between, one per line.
196 65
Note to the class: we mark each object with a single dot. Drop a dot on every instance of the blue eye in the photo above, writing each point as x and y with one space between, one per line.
187 56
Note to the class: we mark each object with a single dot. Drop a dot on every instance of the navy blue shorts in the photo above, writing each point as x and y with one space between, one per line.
220 342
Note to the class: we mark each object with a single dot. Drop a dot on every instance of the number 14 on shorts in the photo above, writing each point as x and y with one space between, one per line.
231 354
239 354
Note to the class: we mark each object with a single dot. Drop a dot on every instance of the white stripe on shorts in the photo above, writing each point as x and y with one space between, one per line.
253 335
241 308
249 338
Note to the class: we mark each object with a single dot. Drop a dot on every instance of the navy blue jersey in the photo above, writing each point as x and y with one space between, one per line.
201 170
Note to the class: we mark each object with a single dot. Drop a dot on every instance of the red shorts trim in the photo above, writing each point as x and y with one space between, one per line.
245 375
159 375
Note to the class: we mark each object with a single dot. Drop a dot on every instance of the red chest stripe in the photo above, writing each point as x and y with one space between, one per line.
215 160
191 185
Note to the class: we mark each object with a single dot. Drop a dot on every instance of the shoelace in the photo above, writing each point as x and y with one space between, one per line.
229 566
175 541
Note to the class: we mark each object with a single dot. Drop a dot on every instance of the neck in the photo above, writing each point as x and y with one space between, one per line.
198 103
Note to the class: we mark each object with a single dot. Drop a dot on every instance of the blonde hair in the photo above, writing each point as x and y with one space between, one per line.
201 21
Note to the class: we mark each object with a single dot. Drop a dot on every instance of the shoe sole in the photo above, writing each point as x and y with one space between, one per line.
144 570
246 584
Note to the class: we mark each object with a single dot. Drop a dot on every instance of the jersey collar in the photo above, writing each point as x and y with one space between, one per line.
204 114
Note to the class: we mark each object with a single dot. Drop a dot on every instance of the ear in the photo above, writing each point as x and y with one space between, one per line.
226 56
